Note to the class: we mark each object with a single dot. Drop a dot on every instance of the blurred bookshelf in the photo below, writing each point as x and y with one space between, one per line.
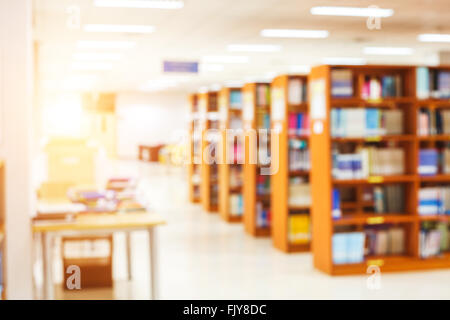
194 175
231 204
373 164
209 123
290 196
256 115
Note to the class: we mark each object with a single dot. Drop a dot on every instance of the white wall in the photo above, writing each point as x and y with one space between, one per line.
16 93
148 119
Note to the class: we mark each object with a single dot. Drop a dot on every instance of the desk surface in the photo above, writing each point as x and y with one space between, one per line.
101 221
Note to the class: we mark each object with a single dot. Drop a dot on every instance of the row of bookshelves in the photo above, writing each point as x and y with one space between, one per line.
362 165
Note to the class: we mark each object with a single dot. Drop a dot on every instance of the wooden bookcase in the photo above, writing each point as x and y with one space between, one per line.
321 141
228 161
208 108
281 209
194 142
252 167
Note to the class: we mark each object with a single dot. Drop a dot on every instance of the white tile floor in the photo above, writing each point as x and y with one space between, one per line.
202 257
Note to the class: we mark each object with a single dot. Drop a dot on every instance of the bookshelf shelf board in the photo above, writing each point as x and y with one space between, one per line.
376 180
373 219
405 137
262 232
298 137
440 137
299 173
302 107
293 208
436 178
393 264
263 197
443 218
381 103
438 103
298 247
235 189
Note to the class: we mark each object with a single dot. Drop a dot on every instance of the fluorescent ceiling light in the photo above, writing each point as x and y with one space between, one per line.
100 66
91 56
396 51
234 83
434 37
141 4
299 69
225 59
212 67
105 44
215 87
294 33
352 12
118 28
254 48
344 61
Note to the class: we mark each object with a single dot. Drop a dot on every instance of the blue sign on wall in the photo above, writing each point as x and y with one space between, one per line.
180 66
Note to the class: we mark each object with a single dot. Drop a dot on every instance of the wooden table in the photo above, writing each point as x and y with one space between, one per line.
95 224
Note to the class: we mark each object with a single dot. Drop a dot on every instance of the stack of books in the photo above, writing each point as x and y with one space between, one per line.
299 158
434 239
263 185
432 122
434 201
236 99
368 161
235 177
298 124
299 229
348 247
341 83
432 83
262 120
236 205
263 95
299 192
375 88
428 162
352 122
385 240
389 199
263 215
336 211
296 91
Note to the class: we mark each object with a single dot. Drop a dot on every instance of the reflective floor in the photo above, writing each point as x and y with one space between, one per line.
201 257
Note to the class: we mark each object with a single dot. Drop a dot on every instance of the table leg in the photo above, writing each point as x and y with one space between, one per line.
153 264
47 266
128 244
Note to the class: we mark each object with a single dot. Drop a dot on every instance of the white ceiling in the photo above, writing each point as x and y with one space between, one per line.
206 27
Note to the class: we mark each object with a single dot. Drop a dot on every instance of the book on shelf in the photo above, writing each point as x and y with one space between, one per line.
299 228
389 198
355 122
236 99
368 161
434 201
236 205
341 83
299 192
262 120
348 247
432 83
296 91
263 185
298 124
336 211
263 215
384 240
235 177
387 86
299 156
262 95
434 239
433 122
428 162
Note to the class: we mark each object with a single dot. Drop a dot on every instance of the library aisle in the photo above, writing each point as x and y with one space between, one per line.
201 257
